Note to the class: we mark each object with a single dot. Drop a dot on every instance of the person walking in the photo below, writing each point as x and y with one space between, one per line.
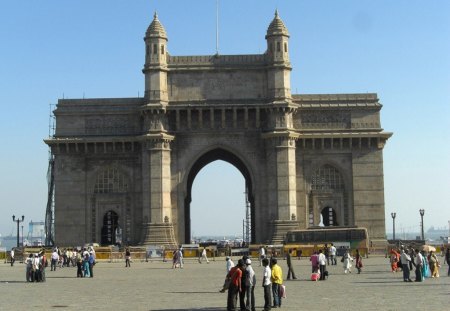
91 261
358 261
290 267
347 260
250 282
229 265
277 281
127 257
267 284
203 256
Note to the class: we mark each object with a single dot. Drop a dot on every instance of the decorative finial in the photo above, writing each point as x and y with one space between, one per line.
276 13
155 15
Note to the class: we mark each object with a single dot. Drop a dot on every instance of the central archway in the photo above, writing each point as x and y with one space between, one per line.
202 161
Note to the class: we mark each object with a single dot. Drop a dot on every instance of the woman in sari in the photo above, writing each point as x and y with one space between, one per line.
394 258
432 259
426 267
358 262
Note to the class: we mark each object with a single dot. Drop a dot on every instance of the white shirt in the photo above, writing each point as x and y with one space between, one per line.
267 274
251 277
333 251
404 257
262 251
322 259
419 259
55 256
230 264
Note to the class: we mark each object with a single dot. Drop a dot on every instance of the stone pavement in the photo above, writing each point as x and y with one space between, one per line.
155 286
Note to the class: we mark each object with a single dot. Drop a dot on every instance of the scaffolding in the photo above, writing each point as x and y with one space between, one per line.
50 210
247 223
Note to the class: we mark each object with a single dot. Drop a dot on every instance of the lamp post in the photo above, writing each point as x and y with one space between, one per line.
393 215
18 221
22 236
422 212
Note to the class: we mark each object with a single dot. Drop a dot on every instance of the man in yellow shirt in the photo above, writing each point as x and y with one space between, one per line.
277 280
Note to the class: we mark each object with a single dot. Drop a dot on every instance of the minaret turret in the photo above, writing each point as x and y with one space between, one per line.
155 68
279 76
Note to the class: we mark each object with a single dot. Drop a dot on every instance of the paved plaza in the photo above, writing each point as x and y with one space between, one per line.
155 286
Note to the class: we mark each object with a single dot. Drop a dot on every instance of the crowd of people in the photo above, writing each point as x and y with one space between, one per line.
240 281
83 259
424 264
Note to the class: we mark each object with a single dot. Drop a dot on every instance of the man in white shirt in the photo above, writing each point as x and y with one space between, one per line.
333 254
322 264
55 259
267 284
419 266
262 255
12 257
405 259
250 283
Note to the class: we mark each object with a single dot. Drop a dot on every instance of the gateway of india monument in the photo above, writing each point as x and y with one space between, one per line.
124 167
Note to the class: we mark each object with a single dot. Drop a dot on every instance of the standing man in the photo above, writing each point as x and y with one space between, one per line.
250 282
12 257
127 257
405 259
277 280
290 267
419 266
333 254
267 284
235 285
262 254
322 265
55 258
326 252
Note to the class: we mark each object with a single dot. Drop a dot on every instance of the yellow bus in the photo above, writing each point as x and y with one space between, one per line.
342 237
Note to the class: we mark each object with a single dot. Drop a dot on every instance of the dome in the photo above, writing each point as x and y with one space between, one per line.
277 27
156 29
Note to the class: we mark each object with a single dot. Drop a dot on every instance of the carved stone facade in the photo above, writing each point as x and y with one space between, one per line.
125 166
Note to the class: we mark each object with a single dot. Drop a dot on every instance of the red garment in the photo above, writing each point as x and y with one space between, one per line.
235 274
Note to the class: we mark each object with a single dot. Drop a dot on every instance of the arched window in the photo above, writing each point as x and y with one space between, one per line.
110 180
327 178
162 49
285 47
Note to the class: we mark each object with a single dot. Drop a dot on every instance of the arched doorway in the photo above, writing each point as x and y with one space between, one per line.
205 159
329 217
110 228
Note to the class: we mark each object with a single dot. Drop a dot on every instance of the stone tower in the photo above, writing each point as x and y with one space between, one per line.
156 152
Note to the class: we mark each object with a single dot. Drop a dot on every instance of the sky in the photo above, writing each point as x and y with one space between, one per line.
73 49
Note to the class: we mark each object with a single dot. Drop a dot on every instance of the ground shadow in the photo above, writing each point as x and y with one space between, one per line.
195 293
15 282
193 309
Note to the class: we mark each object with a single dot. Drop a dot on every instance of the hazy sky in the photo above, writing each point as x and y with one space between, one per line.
398 49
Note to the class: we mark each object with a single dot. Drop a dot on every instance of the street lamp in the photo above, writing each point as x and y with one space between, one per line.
422 212
18 221
22 236
393 215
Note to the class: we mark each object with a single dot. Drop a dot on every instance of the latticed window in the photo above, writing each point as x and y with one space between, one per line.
110 181
327 178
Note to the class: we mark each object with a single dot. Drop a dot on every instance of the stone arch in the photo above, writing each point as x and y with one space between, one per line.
218 153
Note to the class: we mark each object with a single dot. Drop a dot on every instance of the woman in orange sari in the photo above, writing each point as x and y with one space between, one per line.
394 259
